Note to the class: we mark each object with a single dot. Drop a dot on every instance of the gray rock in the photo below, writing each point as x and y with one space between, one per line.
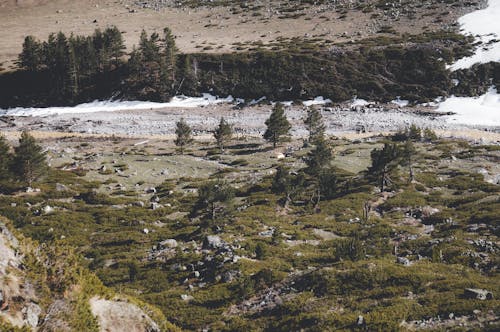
169 243
32 313
61 187
479 294
213 242
404 261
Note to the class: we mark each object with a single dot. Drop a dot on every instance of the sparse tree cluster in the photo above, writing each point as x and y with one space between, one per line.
27 163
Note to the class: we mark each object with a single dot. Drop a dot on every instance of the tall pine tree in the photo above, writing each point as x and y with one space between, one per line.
183 134
5 159
223 133
314 124
277 125
30 162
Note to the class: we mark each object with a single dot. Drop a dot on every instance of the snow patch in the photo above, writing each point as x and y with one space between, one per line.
483 110
485 26
111 106
359 102
317 101
401 103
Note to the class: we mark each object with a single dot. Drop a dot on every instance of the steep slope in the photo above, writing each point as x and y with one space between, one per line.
45 289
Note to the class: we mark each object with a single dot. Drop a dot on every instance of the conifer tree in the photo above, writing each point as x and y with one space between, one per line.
383 162
5 159
29 162
314 124
170 59
183 134
317 160
223 133
31 55
287 183
277 125
408 156
215 197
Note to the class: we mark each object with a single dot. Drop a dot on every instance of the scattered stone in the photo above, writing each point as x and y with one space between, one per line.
212 242
31 314
169 243
186 297
404 261
61 187
479 294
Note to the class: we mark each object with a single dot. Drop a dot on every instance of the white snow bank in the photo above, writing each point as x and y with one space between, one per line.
317 101
359 102
400 102
485 25
483 110
110 106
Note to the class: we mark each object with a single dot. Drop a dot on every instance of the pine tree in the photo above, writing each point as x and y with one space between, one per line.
170 59
215 197
277 125
5 159
408 156
314 124
223 133
183 134
287 183
317 160
29 162
31 55
383 162
113 40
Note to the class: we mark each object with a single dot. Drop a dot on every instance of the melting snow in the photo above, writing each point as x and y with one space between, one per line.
485 25
483 110
110 106
317 101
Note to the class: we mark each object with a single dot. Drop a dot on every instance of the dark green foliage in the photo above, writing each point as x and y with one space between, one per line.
287 184
183 134
5 159
314 124
319 157
215 197
277 125
29 162
155 72
223 133
31 56
384 161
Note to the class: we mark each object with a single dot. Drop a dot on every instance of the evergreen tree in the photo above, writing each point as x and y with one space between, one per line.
287 183
223 133
318 158
277 125
115 46
29 162
408 156
215 197
170 59
183 134
31 55
383 162
414 133
5 159
314 124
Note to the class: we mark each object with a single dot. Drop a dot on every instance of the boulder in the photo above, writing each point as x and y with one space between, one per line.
169 243
479 294
213 242
31 314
